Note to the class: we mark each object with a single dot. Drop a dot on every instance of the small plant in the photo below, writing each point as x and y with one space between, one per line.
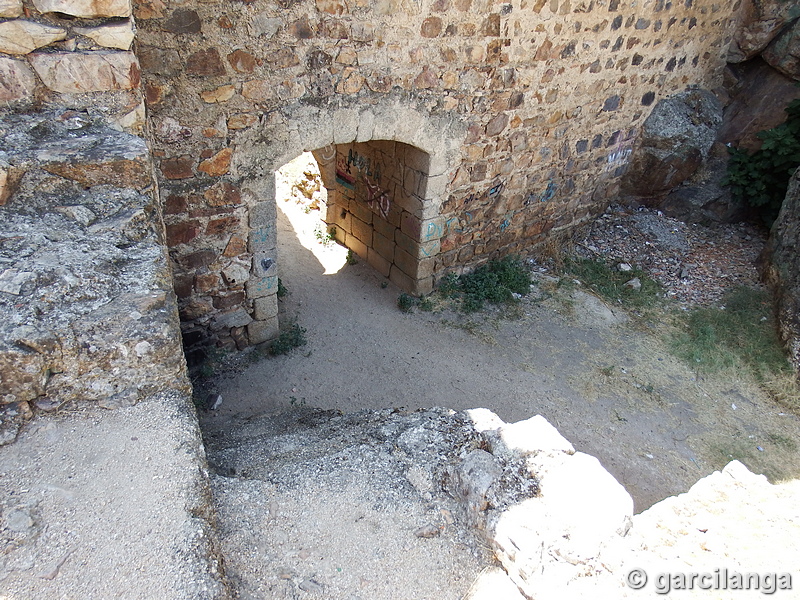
426 304
761 179
610 283
500 281
351 258
288 340
384 285
282 291
325 237
407 302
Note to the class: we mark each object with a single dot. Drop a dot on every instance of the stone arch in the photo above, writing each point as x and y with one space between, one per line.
286 133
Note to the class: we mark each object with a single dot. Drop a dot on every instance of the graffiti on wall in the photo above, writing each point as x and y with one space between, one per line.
368 173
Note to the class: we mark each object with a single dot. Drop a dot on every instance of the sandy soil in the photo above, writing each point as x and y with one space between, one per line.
606 382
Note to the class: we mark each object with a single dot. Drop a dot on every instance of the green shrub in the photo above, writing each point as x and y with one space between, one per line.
760 179
496 282
406 302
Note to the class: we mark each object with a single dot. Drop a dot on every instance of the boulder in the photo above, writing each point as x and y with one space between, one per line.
784 270
759 97
783 53
675 139
762 21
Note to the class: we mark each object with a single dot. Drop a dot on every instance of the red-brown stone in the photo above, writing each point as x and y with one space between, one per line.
177 167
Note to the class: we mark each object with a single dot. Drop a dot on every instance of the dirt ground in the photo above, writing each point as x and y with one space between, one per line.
606 382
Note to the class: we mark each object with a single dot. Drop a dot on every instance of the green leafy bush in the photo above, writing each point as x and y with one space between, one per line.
609 282
495 282
760 179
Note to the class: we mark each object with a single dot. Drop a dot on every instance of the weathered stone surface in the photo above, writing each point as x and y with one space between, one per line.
220 94
205 63
76 72
17 81
9 180
675 139
23 37
159 61
784 271
89 9
90 272
91 160
10 9
217 165
115 35
783 53
760 96
762 20
183 21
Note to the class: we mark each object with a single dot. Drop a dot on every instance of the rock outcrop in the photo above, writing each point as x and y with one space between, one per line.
676 138
783 271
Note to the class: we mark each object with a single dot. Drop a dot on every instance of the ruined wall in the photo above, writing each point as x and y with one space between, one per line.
527 109
87 310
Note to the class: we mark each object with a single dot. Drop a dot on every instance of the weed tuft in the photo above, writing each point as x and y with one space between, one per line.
288 340
500 281
741 333
610 283
406 302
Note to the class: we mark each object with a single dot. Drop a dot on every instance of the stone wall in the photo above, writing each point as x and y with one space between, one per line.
376 208
528 111
87 309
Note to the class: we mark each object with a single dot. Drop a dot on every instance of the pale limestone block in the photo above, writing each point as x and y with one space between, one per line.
10 9
366 126
133 121
345 126
263 331
89 9
116 35
534 435
23 37
75 72
17 81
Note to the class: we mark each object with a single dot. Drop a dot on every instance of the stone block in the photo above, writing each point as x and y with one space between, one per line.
218 165
361 211
383 246
266 307
23 37
378 262
405 262
362 231
17 81
534 435
80 72
115 35
258 287
108 158
235 318
356 246
345 126
10 9
401 280
263 331
263 215
265 264
87 9
383 227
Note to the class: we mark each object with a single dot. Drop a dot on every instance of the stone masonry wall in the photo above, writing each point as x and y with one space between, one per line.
375 207
528 110
87 309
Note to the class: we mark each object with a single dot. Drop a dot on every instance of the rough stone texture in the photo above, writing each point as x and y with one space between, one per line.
17 80
115 35
23 37
759 97
783 53
784 270
85 291
10 9
129 490
89 9
676 138
760 21
73 72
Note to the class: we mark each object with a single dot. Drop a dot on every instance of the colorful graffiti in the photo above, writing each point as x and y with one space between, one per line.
369 174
